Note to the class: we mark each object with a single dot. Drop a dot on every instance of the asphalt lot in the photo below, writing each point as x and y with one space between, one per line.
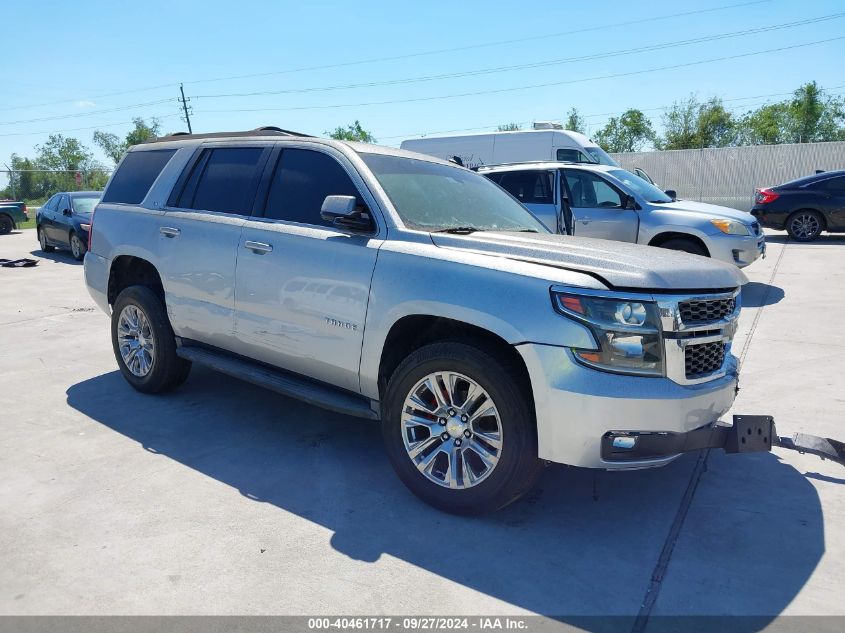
223 498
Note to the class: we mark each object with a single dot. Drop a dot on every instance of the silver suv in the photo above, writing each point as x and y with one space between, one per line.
612 203
397 287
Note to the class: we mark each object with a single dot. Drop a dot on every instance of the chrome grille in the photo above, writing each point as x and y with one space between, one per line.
697 312
704 359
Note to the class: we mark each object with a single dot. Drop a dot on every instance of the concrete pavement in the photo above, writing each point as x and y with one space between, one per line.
222 498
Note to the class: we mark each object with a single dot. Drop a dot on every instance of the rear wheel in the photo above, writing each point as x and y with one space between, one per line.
77 247
685 245
805 225
42 241
143 342
459 430
6 224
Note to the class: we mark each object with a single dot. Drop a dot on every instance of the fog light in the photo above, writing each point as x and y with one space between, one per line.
625 441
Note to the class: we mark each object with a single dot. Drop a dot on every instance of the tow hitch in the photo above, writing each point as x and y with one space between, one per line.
749 434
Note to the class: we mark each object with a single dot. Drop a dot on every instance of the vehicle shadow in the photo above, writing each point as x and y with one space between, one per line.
824 238
757 295
59 256
584 543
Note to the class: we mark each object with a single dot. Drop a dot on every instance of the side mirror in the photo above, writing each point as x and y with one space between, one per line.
671 193
341 211
67 212
629 203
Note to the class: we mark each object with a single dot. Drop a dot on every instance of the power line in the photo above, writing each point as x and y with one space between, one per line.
100 96
89 113
532 86
92 127
538 64
456 49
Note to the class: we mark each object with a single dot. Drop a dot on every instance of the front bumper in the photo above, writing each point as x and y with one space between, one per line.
576 406
740 250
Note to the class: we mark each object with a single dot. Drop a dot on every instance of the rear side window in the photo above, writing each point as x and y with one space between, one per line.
226 182
573 156
530 187
301 183
136 175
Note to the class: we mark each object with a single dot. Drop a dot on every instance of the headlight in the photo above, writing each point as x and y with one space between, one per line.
730 227
85 227
627 332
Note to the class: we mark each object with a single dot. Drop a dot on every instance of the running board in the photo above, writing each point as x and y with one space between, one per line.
315 393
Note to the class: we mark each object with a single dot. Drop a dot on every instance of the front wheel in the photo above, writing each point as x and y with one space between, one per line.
804 226
77 247
6 225
143 342
459 429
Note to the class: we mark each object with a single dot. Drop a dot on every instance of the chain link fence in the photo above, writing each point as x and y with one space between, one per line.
40 184
729 176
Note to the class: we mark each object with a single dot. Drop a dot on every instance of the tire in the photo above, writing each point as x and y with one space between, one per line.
156 368
42 240
6 225
77 247
687 246
805 225
517 467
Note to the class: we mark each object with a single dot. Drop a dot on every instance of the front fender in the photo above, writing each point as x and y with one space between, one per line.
515 307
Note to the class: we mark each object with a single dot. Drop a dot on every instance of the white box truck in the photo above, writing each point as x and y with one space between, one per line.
547 141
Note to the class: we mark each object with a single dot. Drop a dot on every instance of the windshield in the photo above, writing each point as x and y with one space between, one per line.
601 156
433 197
84 205
642 187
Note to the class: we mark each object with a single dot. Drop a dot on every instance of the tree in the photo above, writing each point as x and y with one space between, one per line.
627 133
575 122
813 116
353 132
692 124
767 125
114 148
509 127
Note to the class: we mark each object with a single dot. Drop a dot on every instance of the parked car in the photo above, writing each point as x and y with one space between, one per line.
12 215
398 287
64 221
804 207
614 204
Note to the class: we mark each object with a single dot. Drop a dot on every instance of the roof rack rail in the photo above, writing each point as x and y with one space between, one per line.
536 162
268 130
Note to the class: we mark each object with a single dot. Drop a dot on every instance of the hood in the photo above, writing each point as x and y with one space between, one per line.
616 264
710 210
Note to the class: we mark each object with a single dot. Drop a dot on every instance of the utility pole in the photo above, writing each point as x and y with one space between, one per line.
184 103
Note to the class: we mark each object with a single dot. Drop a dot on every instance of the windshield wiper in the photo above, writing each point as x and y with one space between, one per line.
459 230
528 231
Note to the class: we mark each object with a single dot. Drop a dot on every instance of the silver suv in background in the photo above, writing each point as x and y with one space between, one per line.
612 203
397 287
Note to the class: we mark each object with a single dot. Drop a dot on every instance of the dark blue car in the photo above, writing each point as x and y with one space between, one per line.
64 221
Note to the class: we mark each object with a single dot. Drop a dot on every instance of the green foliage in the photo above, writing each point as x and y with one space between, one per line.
353 132
54 168
767 125
627 133
115 148
692 124
575 122
509 127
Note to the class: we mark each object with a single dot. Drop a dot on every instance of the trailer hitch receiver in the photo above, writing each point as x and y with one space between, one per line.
747 434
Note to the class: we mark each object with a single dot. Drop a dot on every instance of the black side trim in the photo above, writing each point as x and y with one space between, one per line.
286 383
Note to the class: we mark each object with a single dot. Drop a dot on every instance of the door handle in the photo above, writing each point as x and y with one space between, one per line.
584 220
169 231
259 248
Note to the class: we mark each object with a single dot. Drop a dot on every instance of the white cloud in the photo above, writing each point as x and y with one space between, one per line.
84 104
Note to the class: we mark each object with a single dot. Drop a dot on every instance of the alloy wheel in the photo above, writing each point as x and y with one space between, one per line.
75 246
805 226
42 239
452 430
135 340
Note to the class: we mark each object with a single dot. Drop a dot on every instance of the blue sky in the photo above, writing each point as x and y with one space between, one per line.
71 57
